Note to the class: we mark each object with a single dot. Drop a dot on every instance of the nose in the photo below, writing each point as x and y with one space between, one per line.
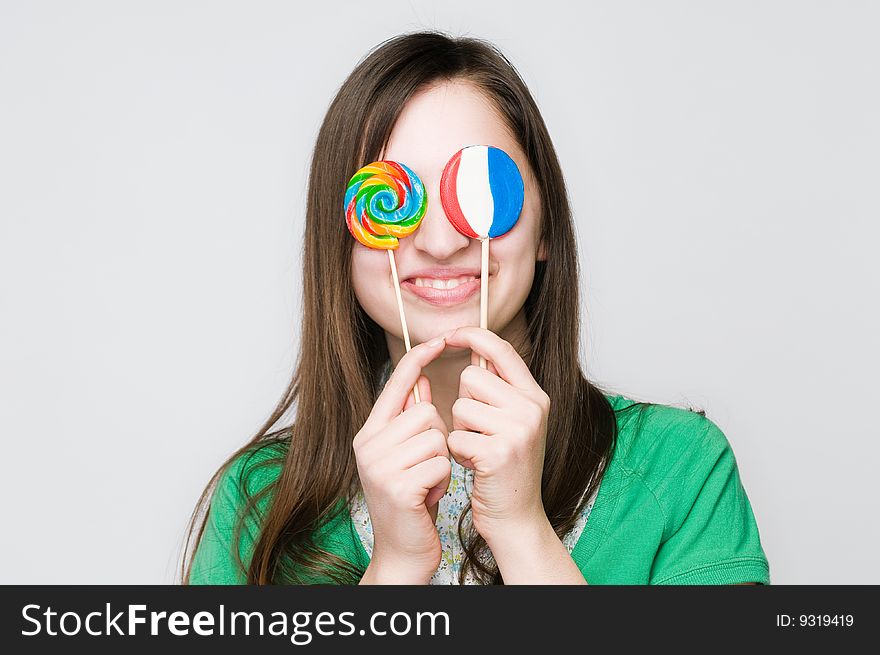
436 236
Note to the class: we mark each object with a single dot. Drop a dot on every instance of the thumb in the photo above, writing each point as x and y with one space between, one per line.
465 447
432 500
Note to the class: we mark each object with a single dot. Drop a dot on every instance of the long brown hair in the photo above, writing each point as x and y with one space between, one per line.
343 350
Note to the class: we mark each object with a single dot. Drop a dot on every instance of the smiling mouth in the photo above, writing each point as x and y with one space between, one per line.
444 291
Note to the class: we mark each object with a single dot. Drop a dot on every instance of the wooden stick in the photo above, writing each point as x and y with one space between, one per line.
484 292
402 315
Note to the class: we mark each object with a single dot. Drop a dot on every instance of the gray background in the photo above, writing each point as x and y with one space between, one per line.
722 159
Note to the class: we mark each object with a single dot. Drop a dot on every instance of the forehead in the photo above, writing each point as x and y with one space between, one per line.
441 120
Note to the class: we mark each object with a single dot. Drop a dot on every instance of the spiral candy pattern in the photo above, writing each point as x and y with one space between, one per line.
384 201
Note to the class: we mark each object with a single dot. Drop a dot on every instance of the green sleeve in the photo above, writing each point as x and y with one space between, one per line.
710 535
214 561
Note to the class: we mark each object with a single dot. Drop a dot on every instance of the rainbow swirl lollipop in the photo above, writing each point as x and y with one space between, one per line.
384 200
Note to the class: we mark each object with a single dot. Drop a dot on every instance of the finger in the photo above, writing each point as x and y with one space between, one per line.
468 448
420 447
425 389
432 500
418 418
509 365
474 416
424 393
480 384
403 378
475 360
432 476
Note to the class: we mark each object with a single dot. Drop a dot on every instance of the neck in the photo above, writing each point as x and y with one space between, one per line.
444 372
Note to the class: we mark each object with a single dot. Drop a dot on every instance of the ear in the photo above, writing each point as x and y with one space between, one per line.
542 251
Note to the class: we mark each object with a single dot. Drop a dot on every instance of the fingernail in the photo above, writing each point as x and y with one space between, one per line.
436 341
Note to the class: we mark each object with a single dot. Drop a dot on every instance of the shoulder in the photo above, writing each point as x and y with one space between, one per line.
684 466
654 436
253 472
232 523
671 449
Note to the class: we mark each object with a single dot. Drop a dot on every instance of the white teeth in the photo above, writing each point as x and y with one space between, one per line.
434 283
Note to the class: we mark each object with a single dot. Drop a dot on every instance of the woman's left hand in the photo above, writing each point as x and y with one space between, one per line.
499 430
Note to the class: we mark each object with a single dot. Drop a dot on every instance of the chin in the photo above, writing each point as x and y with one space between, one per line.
438 328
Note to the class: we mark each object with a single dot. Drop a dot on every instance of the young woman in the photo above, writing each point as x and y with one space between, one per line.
521 472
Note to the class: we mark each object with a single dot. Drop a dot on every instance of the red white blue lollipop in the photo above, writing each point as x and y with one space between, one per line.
482 193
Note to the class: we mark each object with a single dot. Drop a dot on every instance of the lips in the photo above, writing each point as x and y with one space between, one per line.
443 287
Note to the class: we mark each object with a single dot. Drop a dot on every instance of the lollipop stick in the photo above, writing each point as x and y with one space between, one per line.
484 292
402 315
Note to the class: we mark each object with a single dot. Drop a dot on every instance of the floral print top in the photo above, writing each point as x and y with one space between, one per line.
450 507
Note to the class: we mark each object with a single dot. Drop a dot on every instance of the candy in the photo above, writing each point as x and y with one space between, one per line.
384 200
482 192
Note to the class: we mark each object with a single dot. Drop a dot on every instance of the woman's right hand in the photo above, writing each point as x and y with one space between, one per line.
404 469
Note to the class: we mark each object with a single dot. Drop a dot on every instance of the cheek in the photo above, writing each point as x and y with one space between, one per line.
515 254
371 281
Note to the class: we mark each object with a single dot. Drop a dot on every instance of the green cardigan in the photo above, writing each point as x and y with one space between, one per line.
671 509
